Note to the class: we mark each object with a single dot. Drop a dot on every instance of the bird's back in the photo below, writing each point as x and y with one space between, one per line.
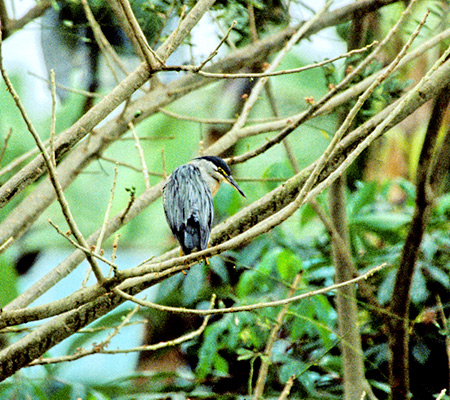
189 208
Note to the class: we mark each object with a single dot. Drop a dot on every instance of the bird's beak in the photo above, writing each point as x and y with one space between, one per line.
233 183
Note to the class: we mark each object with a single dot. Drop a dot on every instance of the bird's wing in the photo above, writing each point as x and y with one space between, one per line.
189 207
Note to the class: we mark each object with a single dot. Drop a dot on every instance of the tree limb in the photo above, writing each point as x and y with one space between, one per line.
68 139
399 324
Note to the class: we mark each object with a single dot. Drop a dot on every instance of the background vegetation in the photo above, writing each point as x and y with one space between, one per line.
335 123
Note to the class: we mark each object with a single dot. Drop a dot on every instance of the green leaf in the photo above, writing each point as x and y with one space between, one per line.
386 287
442 206
221 365
419 291
294 367
8 277
288 265
364 196
387 221
388 225
217 265
255 281
245 354
193 284
439 275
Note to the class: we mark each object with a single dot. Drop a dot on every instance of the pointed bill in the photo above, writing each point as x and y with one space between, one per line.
233 183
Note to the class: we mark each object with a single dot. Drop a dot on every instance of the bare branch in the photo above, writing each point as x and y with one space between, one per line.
265 361
51 169
215 51
251 307
103 42
12 25
141 157
5 144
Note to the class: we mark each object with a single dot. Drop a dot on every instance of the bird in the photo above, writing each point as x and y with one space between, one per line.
188 200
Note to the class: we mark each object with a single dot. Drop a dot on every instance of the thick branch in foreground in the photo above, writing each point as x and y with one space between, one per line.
35 344
258 211
56 330
65 141
244 57
399 324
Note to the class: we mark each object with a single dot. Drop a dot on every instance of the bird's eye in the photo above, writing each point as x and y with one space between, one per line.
221 171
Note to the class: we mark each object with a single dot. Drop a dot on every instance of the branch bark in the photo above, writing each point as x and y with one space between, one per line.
247 56
56 330
9 26
98 300
399 324
355 383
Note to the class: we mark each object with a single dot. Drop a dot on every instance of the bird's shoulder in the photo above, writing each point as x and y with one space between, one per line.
185 176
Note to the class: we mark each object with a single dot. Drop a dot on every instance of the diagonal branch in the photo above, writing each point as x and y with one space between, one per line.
247 56
399 325
264 207
31 346
50 167
68 139
9 26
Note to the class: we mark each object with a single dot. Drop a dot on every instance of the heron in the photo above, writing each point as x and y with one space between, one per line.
188 200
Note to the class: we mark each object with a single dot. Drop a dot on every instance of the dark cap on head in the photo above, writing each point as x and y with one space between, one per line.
218 162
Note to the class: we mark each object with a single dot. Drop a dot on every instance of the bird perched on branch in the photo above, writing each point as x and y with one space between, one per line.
188 200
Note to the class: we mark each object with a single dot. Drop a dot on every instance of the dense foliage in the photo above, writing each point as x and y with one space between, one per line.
224 360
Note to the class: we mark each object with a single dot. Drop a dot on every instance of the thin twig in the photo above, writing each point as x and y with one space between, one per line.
144 169
5 144
225 121
252 22
265 359
441 394
150 138
51 170
84 249
103 43
6 243
95 349
215 51
287 388
163 162
67 88
101 236
256 306
130 166
265 74
222 31
53 119
114 248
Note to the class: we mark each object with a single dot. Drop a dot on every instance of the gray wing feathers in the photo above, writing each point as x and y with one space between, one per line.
189 208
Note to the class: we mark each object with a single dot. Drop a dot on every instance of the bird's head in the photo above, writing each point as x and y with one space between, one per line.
214 169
